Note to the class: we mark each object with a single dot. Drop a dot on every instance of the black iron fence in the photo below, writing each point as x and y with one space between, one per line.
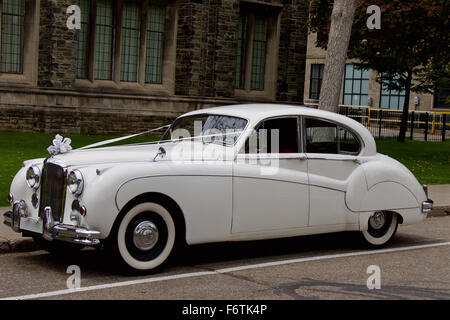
384 123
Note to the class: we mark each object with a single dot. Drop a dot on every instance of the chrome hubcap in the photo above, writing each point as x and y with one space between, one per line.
377 220
145 235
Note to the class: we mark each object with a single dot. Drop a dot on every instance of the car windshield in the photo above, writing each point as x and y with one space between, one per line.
210 128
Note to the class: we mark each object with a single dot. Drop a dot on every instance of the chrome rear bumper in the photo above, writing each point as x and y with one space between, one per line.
50 229
427 206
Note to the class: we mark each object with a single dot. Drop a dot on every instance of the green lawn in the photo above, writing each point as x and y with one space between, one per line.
429 161
17 147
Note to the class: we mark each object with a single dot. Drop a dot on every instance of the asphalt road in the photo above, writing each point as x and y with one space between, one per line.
313 267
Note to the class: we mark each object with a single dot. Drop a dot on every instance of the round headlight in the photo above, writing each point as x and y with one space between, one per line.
75 182
33 177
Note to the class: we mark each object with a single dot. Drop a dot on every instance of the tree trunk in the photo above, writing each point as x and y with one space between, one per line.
338 40
404 123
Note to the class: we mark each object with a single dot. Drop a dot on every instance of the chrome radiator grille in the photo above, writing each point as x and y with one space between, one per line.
53 190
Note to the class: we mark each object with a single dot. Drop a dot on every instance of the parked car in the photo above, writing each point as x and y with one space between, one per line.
242 172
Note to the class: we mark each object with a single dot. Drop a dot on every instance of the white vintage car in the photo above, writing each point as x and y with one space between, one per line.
242 172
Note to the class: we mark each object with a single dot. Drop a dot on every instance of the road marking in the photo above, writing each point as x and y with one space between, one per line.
220 271
330 256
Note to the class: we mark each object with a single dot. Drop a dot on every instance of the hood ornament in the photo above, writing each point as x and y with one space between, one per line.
60 145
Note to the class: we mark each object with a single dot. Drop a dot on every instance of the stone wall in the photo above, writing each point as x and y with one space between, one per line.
293 43
57 46
205 65
65 111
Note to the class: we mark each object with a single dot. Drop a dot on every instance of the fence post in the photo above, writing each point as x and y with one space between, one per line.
379 123
443 126
426 126
412 125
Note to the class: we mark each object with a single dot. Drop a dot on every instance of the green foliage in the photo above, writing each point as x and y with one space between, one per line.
413 38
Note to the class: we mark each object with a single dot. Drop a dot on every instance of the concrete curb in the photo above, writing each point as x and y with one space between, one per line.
440 212
17 245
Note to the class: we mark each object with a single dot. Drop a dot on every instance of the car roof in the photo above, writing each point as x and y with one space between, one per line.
256 112
251 111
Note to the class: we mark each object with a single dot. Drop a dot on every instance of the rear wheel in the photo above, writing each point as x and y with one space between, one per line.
382 228
146 236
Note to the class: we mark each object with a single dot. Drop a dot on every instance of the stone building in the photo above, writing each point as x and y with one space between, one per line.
360 88
134 65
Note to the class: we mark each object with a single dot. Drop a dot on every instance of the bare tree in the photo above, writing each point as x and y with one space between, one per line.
338 40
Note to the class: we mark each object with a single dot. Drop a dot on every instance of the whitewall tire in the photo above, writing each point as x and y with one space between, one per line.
146 236
381 230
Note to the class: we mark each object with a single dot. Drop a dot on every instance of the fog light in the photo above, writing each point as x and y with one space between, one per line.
76 206
35 200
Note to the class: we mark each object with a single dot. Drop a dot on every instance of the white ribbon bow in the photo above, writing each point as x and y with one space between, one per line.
60 145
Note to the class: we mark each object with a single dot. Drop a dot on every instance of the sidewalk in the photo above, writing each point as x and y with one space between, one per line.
440 194
11 241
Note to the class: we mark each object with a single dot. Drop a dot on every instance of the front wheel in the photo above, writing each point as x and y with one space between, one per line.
146 236
382 228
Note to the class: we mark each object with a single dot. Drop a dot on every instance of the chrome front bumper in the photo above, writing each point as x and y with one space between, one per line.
50 229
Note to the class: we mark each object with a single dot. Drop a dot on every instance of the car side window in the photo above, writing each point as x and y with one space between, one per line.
348 143
327 137
321 136
279 135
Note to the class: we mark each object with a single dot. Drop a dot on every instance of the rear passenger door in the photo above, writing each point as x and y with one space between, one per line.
331 151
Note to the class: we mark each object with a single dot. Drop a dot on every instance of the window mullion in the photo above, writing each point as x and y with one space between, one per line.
241 54
249 51
118 10
92 35
143 42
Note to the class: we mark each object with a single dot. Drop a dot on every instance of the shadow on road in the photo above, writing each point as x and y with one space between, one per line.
97 263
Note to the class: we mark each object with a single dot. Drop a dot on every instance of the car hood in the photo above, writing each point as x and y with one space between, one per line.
175 151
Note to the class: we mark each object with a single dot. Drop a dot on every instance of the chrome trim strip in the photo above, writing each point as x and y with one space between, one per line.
58 162
270 156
